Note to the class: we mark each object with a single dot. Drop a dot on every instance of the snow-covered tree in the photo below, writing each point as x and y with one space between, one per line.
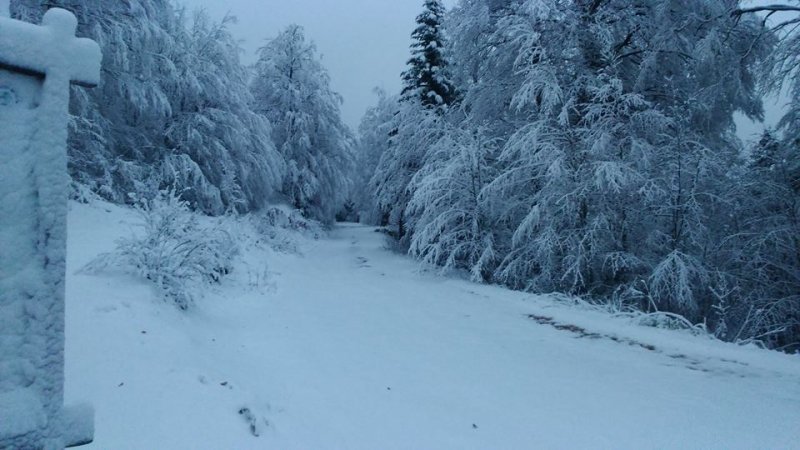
219 152
116 129
764 253
414 129
782 73
614 122
373 141
172 110
418 122
631 127
292 89
486 54
451 225
427 78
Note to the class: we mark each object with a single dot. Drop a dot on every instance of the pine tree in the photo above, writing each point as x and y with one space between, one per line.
427 78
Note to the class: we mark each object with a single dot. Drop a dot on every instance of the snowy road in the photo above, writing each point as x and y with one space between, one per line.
351 347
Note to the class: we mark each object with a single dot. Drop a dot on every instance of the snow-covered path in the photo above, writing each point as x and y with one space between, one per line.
351 347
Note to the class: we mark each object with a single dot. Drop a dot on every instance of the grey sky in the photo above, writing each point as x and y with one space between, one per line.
364 43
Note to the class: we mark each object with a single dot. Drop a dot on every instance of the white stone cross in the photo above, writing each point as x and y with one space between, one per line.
37 66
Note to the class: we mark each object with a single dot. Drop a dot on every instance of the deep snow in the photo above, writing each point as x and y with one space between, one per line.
350 346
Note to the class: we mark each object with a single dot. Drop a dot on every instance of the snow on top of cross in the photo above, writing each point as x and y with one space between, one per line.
50 47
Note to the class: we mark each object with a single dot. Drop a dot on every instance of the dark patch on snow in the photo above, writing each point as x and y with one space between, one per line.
581 332
363 263
686 361
252 420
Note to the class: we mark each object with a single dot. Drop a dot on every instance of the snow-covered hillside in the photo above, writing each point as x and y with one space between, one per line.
349 346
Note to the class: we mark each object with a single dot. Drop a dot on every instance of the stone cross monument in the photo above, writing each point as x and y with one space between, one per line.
37 66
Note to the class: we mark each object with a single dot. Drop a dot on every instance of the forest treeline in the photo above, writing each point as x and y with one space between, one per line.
177 110
588 147
585 147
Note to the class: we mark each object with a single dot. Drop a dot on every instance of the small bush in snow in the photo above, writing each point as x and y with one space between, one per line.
280 225
669 321
173 252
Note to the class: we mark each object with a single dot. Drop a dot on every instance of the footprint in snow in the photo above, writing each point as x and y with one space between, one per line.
363 262
257 424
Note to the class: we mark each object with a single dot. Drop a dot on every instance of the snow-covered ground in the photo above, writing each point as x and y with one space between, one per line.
349 346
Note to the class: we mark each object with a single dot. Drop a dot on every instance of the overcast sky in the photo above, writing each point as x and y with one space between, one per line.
364 43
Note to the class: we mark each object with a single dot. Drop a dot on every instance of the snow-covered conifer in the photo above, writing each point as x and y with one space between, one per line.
427 78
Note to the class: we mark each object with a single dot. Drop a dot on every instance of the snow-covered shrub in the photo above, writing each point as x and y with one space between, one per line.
669 321
82 193
280 226
348 212
672 284
290 219
173 251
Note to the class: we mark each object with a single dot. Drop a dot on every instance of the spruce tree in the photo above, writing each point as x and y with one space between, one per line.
427 78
